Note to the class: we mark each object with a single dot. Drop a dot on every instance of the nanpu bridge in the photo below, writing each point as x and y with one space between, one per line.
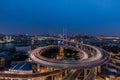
93 57
98 58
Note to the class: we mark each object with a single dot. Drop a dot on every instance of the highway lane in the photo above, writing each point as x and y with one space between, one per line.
91 76
85 55
113 65
116 60
68 75
34 75
73 75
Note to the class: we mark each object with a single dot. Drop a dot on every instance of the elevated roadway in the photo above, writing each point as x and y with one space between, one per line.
73 75
91 76
34 75
98 59
113 65
116 60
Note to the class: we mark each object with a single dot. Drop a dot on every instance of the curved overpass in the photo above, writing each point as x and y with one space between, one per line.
99 58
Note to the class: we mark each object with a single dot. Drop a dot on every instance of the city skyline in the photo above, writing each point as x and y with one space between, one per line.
50 17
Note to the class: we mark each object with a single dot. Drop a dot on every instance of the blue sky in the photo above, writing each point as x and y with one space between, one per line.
87 17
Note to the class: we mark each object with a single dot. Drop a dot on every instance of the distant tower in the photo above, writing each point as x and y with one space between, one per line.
64 33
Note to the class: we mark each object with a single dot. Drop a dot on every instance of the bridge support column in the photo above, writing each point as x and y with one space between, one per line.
95 70
38 67
58 77
85 72
65 73
52 77
99 69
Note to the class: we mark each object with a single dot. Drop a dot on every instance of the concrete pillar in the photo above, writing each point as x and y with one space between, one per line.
95 70
52 77
38 67
58 77
66 73
55 78
85 72
99 69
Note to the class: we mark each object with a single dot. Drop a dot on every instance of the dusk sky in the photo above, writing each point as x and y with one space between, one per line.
86 17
